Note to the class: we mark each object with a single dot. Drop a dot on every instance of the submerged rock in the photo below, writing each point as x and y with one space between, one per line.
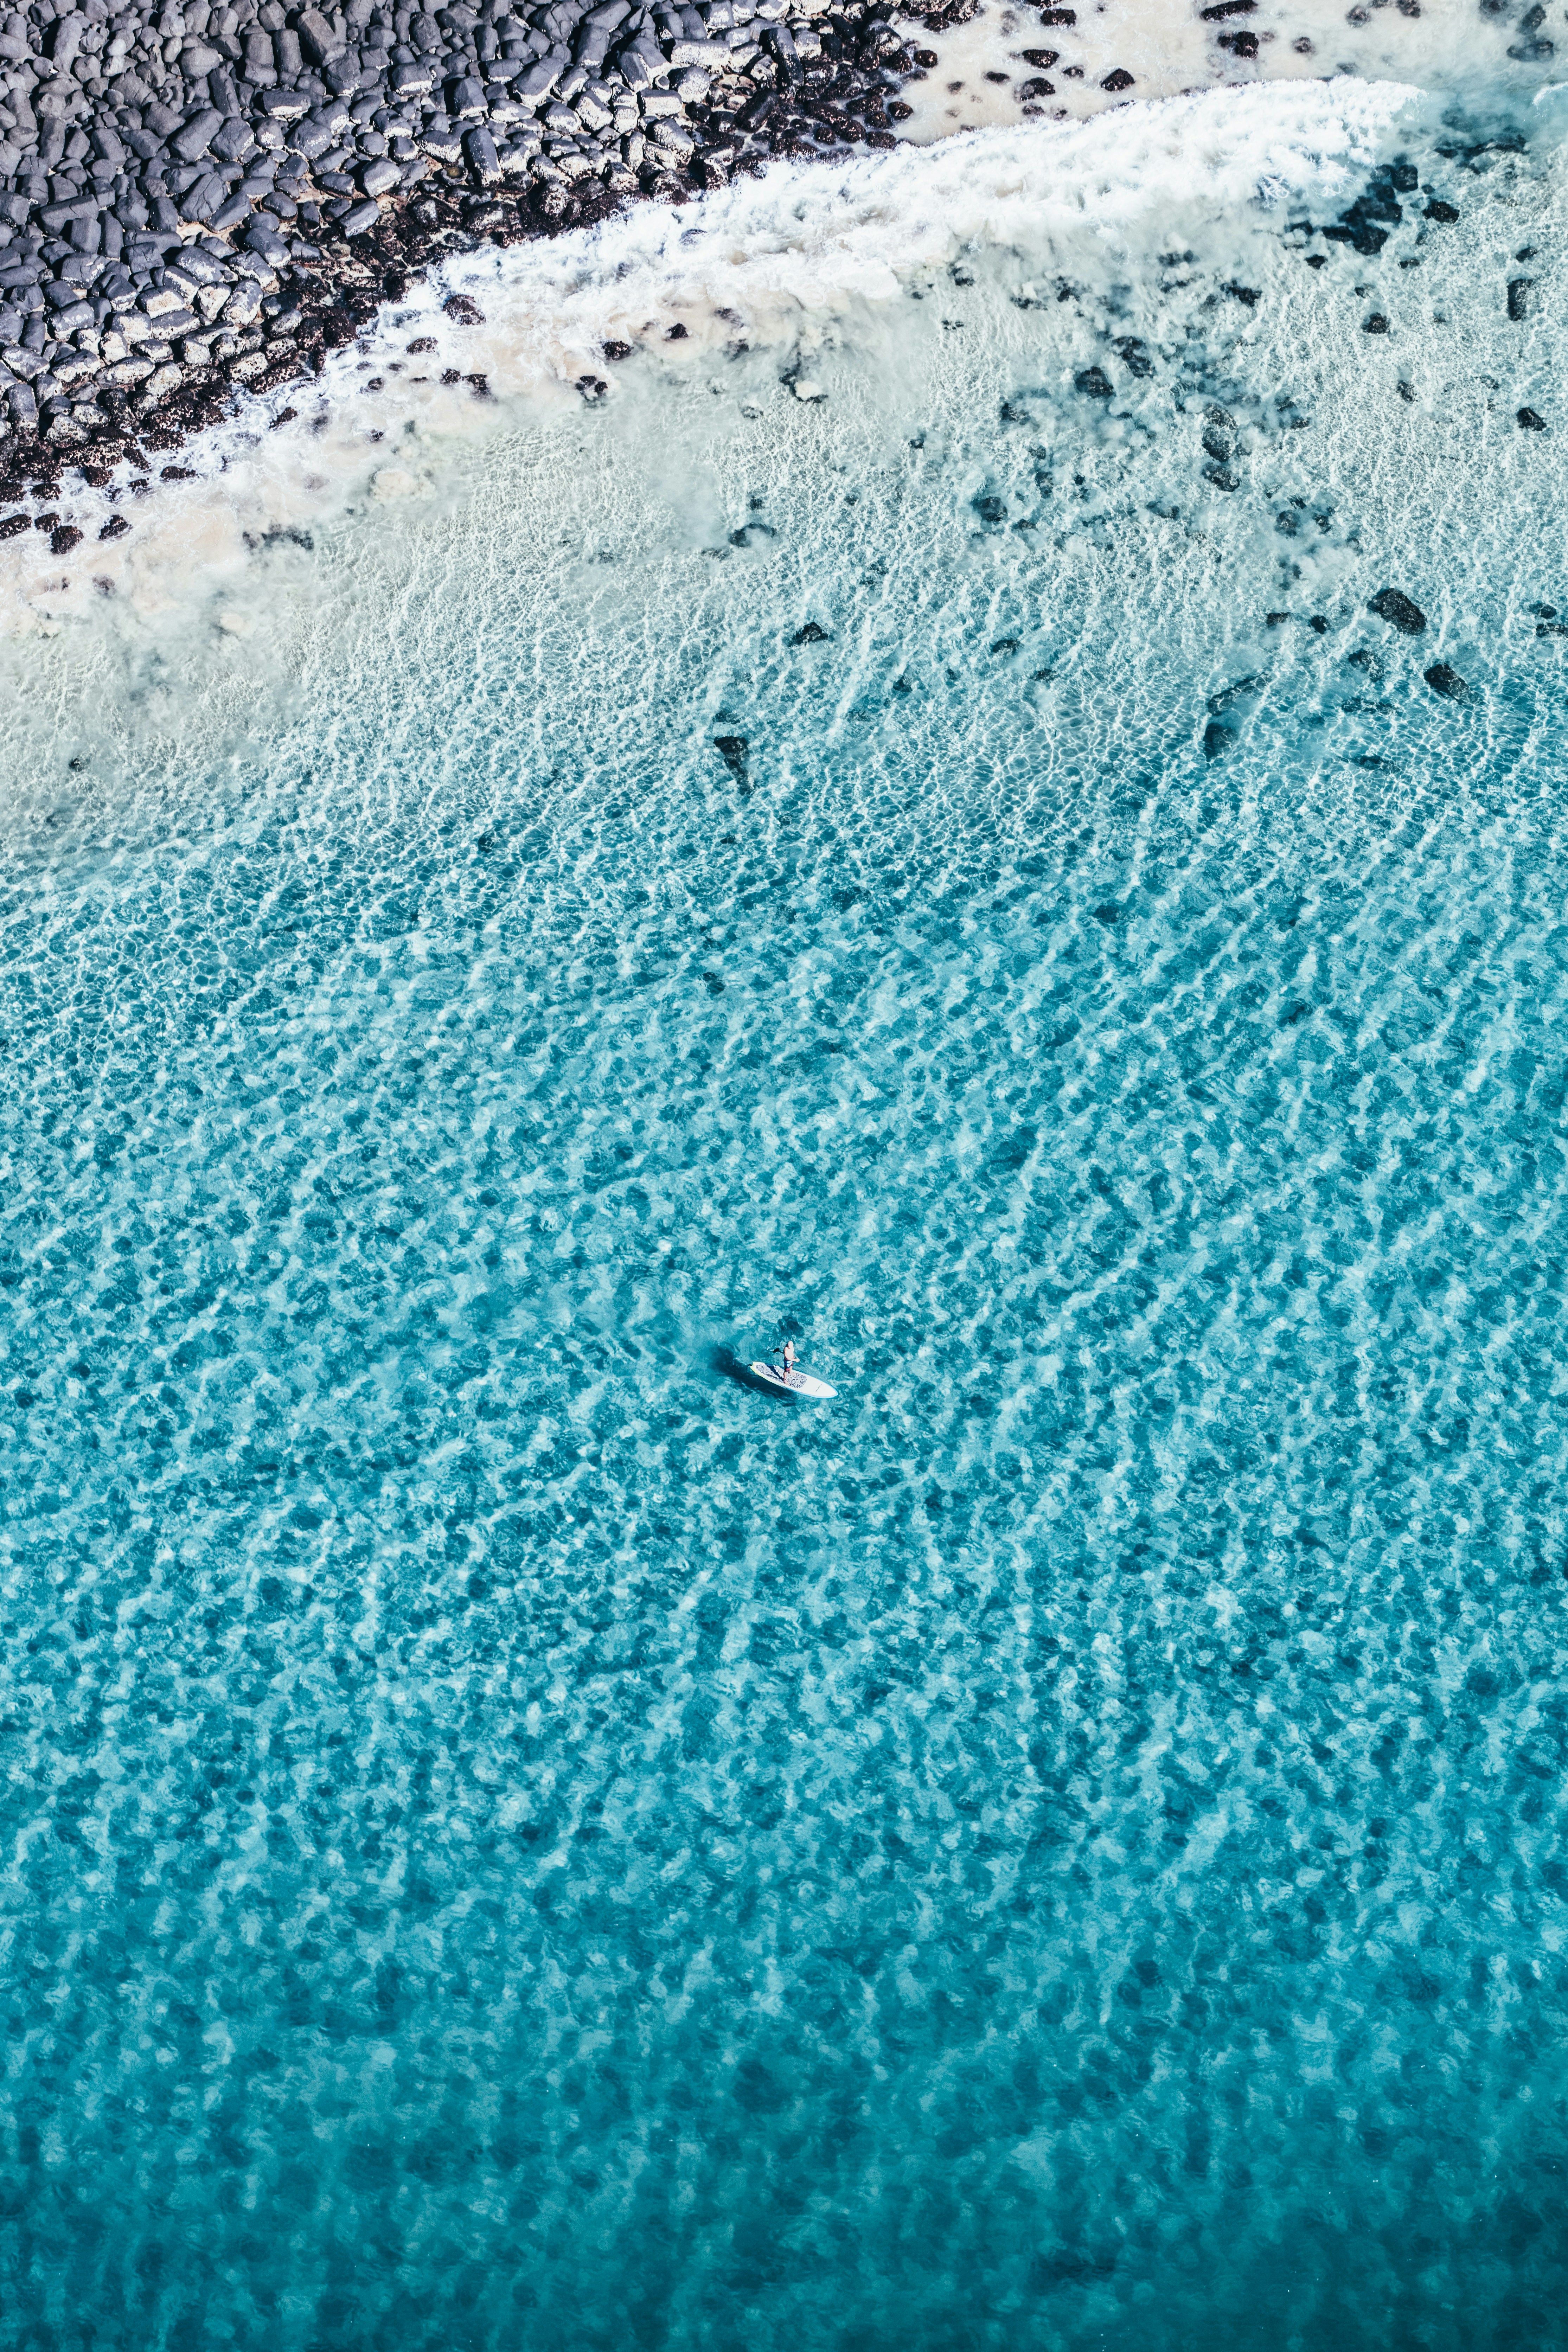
1135 355
1531 421
1094 384
813 633
1393 606
1446 682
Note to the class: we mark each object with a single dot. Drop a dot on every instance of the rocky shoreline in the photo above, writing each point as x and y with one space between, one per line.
199 203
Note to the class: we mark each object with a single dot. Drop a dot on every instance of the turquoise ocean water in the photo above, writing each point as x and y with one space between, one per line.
511 1837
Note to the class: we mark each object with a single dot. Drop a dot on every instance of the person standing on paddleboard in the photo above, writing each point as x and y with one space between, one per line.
785 1359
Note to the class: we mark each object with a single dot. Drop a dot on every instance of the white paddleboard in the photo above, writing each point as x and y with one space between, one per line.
795 1383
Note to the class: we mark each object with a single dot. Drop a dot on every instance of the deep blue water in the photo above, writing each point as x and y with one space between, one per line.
513 1838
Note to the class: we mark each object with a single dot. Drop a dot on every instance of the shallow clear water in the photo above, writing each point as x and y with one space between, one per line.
515 1838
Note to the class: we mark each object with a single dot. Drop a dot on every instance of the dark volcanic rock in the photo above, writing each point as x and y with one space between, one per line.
1519 297
733 750
813 634
1094 384
1446 682
1531 421
115 528
1393 605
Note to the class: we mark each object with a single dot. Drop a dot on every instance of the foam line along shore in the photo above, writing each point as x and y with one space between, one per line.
199 202
760 296
199 207
1000 64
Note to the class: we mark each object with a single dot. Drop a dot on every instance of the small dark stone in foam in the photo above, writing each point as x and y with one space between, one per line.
813 634
1446 682
1531 421
115 528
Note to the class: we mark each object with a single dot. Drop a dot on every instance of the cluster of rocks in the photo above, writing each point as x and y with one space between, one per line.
197 199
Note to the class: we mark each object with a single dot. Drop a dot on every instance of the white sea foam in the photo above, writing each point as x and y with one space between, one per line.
774 263
983 71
